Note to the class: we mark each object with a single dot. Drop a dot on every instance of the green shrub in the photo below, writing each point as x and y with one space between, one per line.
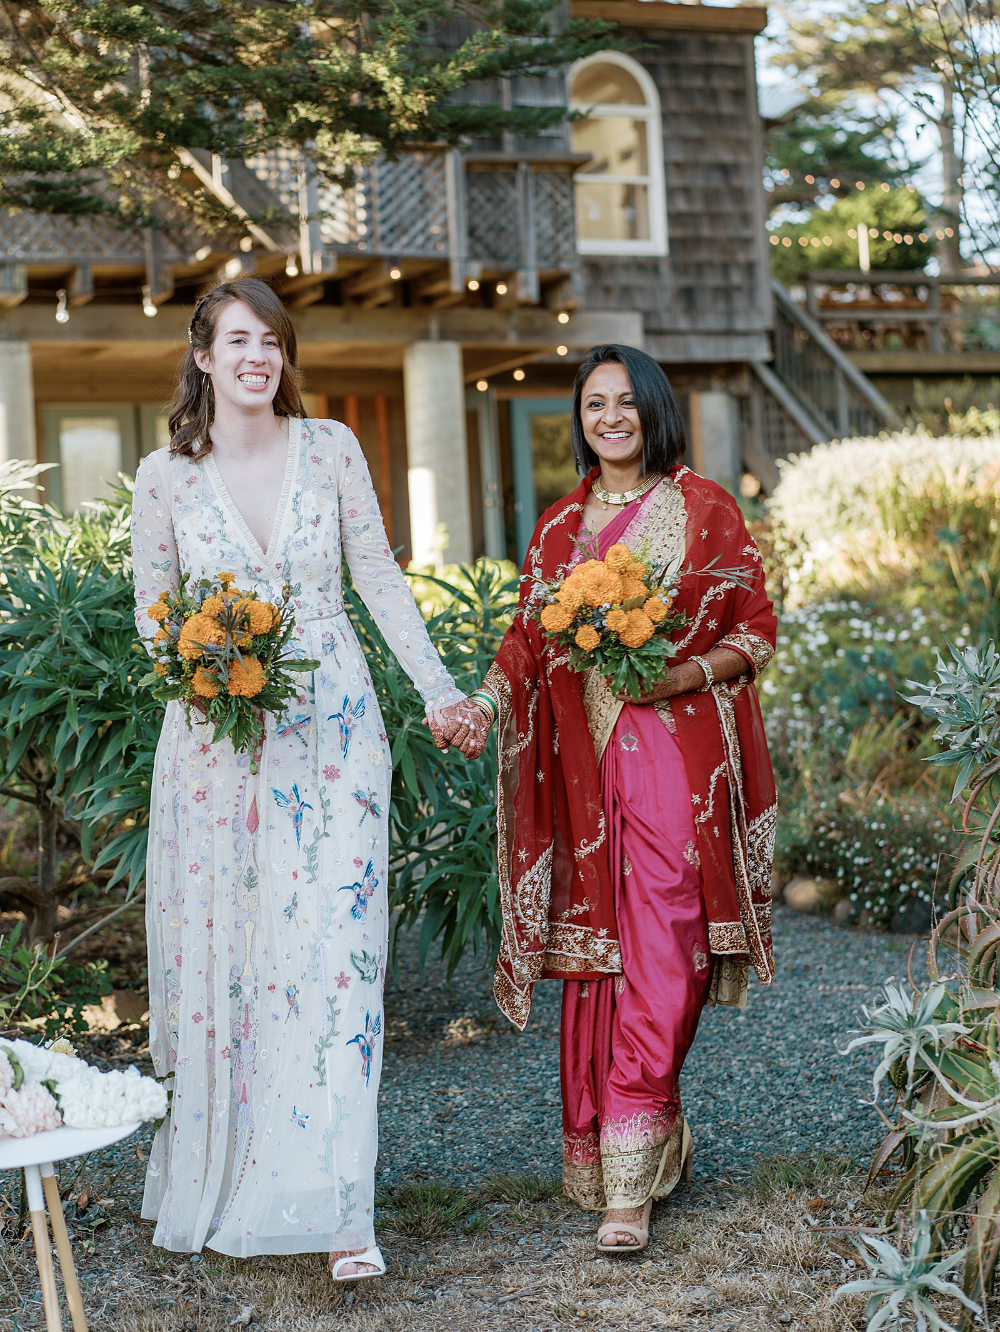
904 515
35 986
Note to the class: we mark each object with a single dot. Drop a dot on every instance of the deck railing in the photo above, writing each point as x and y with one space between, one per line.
832 396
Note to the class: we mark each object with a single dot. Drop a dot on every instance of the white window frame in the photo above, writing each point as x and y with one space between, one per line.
657 243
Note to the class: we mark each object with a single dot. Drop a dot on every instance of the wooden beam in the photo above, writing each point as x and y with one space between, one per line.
671 17
80 288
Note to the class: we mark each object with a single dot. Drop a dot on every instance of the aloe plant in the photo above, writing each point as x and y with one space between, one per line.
898 1284
941 1044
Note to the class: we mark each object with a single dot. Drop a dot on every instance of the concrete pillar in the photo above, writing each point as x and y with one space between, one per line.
434 389
17 402
715 438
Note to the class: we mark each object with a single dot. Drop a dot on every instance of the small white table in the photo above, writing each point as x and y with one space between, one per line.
35 1156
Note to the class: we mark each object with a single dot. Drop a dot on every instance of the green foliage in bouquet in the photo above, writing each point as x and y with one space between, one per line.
225 653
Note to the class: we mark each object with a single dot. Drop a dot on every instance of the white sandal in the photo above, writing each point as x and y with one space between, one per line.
370 1257
639 1230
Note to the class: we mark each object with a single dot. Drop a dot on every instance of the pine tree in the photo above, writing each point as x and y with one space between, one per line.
104 103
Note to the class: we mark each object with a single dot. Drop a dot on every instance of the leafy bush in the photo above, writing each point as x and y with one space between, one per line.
77 736
37 986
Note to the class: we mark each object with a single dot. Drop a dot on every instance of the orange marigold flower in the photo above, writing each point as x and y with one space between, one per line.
227 579
639 628
616 620
601 587
246 680
637 569
198 629
207 686
656 608
160 668
262 616
557 618
587 637
570 597
619 558
633 587
158 611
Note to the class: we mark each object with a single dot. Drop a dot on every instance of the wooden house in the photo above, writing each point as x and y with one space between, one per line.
443 303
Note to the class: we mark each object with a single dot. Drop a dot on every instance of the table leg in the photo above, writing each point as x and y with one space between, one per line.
43 1254
58 1223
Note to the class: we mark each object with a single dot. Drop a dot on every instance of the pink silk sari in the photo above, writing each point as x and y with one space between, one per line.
625 1038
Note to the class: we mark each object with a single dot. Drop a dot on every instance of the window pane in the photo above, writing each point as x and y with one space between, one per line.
607 83
553 466
617 147
611 212
90 450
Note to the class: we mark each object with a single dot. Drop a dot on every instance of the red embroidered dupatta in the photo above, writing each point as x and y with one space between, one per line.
555 886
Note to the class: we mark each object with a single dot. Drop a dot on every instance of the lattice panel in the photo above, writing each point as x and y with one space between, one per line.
38 237
555 219
279 171
494 212
408 205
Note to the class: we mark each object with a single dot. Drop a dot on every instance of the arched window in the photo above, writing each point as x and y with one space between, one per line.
620 199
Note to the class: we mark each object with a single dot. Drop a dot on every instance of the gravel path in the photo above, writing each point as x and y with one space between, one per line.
464 1095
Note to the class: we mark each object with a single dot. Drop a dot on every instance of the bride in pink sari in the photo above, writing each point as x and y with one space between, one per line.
635 840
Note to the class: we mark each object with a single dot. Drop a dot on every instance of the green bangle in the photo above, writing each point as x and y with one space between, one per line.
485 703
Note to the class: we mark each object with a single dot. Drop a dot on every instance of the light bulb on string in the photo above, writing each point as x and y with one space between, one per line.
62 313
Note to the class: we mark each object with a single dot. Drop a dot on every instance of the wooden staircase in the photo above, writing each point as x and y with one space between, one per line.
807 394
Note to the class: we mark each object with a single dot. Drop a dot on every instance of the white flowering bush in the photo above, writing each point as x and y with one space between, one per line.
43 1087
858 804
909 509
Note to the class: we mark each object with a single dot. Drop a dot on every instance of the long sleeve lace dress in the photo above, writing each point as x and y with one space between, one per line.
266 892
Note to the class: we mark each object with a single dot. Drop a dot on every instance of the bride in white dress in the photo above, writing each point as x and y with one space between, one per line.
266 912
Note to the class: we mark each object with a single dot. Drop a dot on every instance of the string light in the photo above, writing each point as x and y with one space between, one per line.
519 375
482 385
62 314
562 317
395 274
148 304
291 267
472 284
561 351
501 288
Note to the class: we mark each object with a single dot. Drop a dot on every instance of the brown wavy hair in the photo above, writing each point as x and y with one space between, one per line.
192 406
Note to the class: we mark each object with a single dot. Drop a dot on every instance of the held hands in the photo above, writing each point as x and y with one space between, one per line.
463 725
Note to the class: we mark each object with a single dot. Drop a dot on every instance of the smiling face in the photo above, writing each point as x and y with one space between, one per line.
609 416
245 361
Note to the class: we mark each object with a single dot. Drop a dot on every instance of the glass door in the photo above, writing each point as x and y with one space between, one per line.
544 468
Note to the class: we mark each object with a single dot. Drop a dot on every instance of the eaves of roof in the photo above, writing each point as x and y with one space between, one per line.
673 17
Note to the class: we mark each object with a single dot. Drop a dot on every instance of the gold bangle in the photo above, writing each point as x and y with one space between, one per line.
485 704
709 674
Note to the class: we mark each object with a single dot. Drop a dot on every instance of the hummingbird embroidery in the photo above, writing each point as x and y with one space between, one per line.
347 719
362 891
294 806
365 1041
292 995
298 1117
293 726
368 803
289 911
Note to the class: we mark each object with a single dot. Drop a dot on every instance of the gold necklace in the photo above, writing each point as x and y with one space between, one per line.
624 496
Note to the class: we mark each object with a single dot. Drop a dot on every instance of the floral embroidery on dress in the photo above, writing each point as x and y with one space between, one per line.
629 742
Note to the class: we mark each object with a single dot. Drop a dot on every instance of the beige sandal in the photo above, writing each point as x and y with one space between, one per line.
639 1230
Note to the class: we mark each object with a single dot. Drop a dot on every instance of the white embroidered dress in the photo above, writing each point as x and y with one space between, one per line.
266 893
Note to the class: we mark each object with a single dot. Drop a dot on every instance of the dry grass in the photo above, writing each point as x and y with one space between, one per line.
721 1257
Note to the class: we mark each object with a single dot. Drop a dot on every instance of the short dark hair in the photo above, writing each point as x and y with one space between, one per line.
664 439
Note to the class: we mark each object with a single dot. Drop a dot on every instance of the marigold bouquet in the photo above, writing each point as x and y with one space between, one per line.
616 614
223 652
